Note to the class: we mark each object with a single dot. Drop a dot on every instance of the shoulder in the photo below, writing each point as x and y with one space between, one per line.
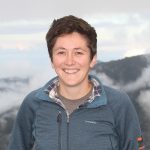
120 104
116 96
36 97
118 101
30 103
31 96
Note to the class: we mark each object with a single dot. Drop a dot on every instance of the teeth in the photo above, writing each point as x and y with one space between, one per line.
70 71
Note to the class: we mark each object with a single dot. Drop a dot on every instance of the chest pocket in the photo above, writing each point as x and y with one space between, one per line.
100 135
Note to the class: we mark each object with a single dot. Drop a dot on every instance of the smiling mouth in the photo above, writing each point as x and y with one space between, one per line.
70 71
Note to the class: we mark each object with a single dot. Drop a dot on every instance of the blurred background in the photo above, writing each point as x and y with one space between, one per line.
123 29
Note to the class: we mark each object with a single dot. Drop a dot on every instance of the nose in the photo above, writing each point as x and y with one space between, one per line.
69 59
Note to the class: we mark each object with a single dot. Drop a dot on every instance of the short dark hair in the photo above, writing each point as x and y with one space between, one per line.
67 25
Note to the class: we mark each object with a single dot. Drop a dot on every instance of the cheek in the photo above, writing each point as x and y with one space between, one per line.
85 62
57 61
55 65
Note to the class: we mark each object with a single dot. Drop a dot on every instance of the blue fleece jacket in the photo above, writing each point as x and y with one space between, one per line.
108 122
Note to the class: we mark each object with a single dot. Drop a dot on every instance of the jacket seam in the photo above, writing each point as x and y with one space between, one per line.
34 124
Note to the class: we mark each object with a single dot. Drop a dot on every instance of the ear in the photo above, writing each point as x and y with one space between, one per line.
52 64
93 61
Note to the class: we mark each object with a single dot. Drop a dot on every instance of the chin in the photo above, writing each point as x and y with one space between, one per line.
70 84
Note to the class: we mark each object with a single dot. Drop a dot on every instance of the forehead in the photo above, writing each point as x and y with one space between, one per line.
72 39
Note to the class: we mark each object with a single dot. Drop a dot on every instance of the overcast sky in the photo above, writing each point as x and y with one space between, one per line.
123 28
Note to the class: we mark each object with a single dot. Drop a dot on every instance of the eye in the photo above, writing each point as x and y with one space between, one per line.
79 53
61 53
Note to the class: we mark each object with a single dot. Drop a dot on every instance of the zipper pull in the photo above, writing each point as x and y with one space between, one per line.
68 117
59 117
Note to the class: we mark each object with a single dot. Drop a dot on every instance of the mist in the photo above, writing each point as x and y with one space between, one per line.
15 89
141 83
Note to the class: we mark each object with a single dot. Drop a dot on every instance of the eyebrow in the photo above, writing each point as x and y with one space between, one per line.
78 48
62 48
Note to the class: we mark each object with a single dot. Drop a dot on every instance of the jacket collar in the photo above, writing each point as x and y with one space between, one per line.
98 97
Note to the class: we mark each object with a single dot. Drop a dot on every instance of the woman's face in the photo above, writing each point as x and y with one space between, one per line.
71 59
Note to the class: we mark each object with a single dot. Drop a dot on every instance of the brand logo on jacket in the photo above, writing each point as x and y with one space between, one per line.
91 122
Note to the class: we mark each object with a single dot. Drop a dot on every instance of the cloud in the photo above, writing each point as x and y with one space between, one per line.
22 41
106 80
23 35
16 68
24 26
14 97
17 9
134 51
10 100
25 62
119 34
144 100
122 35
142 82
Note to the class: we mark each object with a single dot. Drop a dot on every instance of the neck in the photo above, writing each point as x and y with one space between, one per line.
76 92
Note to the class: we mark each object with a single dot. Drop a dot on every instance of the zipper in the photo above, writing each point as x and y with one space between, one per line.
68 119
111 142
59 121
